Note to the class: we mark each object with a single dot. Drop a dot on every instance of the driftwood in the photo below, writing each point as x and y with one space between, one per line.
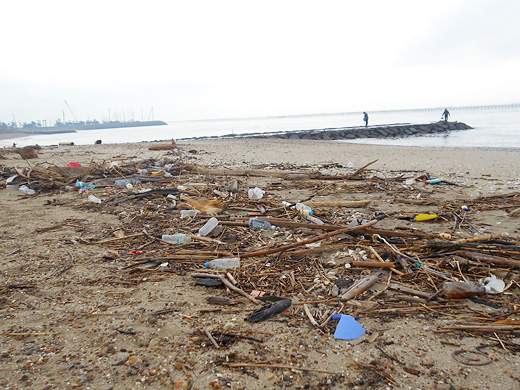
304 242
359 287
173 145
229 285
341 203
248 172
490 259
280 174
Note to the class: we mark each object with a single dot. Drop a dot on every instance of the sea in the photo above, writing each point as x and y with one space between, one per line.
495 127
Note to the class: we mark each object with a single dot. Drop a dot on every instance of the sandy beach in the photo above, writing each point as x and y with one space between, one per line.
85 305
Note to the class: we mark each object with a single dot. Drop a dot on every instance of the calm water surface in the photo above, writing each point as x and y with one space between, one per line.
492 128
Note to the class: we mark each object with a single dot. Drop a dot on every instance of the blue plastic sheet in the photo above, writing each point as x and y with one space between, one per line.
348 328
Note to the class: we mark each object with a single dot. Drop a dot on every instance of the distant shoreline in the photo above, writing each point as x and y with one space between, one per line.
73 128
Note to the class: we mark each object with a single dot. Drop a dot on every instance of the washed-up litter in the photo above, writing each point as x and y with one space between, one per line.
315 239
348 328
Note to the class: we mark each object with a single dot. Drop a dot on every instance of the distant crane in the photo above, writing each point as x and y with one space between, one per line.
70 109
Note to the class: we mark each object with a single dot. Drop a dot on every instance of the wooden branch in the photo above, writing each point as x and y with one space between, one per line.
308 241
340 203
409 290
114 239
359 287
484 328
491 259
210 337
229 285
373 264
383 262
309 315
281 366
241 172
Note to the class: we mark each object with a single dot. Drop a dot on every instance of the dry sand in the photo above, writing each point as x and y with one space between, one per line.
82 315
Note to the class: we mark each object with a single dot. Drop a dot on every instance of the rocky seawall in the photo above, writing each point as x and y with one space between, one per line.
383 131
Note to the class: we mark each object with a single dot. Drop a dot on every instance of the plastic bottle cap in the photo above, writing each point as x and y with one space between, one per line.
206 264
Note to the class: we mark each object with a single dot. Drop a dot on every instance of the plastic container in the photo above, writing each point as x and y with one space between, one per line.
455 290
303 208
94 199
208 227
189 213
425 217
255 193
224 263
178 238
259 224
26 190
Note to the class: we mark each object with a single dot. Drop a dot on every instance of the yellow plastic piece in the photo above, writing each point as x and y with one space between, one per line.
425 217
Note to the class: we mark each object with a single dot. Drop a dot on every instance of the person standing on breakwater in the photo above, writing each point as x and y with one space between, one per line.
365 118
445 115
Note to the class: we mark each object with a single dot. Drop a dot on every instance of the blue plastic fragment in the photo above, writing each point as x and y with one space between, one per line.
83 185
348 328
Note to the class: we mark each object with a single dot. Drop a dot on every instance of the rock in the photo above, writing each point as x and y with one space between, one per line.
28 153
121 360
181 384
427 361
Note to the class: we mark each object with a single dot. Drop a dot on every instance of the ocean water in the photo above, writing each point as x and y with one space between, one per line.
492 128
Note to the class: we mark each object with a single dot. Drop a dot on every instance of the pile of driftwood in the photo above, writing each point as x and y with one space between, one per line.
340 259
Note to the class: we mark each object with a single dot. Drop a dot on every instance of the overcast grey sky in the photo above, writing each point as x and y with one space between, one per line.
219 59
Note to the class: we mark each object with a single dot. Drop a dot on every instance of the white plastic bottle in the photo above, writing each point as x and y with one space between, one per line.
304 209
259 224
224 263
208 227
178 238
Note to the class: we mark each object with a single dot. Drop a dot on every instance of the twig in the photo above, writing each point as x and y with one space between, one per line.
210 337
229 285
309 315
282 366
308 241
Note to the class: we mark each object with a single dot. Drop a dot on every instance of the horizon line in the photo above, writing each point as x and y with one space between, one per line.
482 107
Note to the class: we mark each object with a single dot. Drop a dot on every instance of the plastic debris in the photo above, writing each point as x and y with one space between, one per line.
433 181
425 217
348 328
94 199
255 193
83 185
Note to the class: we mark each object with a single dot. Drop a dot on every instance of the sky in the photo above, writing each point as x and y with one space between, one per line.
117 60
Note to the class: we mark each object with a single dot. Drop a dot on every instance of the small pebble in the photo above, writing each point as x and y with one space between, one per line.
121 360
427 361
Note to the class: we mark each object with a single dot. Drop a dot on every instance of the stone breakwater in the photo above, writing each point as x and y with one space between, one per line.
384 131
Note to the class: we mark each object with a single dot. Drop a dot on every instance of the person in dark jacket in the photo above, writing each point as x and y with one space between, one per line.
365 118
445 115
